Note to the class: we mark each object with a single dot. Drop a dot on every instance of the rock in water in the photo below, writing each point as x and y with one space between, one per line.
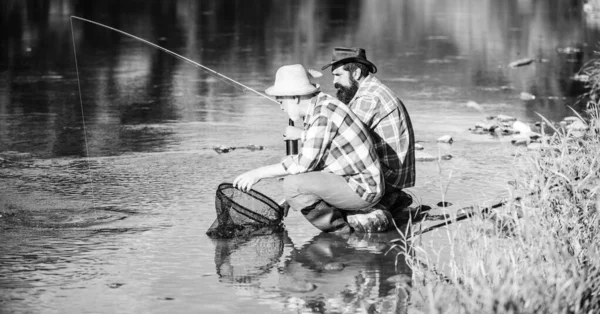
334 266
505 118
474 105
521 127
520 62
295 285
445 139
526 96
420 156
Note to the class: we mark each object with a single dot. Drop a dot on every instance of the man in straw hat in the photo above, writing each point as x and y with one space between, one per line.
336 172
380 109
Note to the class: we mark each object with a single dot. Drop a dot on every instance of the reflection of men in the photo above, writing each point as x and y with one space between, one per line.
337 273
383 113
350 273
337 170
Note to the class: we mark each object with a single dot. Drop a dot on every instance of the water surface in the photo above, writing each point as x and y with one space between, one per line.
112 157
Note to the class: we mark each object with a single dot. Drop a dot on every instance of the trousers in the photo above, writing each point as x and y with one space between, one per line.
323 198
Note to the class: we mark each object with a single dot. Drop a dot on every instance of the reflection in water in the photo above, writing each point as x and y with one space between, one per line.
330 273
453 49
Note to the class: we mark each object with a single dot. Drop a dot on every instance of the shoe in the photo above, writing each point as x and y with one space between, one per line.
377 220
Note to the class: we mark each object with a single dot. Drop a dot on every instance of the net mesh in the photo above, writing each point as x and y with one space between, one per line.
243 214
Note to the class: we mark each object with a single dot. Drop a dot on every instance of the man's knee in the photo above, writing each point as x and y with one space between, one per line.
291 186
295 192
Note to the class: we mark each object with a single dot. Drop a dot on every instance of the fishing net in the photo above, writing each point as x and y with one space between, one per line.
244 214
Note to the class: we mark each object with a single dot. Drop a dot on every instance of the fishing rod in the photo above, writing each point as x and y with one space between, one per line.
465 215
178 56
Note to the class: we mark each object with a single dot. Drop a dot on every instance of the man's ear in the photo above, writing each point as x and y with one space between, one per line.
356 74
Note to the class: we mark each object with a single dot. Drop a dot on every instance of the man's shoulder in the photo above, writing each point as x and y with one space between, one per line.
329 103
373 91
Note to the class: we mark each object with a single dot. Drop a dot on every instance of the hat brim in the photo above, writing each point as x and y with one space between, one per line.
294 91
353 59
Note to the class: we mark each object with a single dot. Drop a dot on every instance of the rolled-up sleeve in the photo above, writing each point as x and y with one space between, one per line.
317 136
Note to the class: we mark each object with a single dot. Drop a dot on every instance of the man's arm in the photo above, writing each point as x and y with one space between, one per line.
246 180
317 138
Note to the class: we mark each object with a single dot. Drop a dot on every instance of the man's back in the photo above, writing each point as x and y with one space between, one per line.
385 115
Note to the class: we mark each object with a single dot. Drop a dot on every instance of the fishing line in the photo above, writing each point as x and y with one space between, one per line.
178 56
87 151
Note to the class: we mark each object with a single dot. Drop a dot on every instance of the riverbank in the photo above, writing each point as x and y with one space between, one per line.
540 254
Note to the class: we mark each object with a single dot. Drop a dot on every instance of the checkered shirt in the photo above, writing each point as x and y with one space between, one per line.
335 141
385 115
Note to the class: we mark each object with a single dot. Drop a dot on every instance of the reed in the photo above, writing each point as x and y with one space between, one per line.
540 254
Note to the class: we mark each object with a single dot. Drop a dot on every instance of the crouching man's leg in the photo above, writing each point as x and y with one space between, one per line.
323 198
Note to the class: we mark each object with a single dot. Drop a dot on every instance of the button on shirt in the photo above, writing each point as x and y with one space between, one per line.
335 141
385 115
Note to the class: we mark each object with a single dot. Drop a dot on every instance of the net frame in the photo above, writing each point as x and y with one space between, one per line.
234 219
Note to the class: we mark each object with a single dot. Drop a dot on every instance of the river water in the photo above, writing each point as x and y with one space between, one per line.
107 162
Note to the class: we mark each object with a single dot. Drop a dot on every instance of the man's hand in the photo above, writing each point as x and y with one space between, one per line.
293 133
246 180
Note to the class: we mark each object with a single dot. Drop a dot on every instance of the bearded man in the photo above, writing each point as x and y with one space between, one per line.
384 114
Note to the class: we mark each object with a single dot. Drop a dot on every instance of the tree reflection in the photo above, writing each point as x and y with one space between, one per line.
455 50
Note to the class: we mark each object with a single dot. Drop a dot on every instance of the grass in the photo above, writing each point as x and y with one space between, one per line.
540 254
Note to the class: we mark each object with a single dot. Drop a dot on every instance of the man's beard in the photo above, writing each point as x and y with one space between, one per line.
345 94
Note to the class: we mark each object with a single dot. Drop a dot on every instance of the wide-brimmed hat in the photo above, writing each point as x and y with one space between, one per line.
346 55
294 80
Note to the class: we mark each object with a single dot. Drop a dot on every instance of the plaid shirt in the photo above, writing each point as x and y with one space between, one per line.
385 115
335 141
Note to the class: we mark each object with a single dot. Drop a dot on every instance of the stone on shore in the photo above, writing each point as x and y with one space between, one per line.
577 125
571 119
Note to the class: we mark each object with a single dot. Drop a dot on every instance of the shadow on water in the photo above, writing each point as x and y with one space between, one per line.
329 273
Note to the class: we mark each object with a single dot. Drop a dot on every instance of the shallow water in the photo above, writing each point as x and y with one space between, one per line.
115 221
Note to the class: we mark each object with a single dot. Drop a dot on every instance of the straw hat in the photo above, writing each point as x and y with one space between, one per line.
293 80
346 55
